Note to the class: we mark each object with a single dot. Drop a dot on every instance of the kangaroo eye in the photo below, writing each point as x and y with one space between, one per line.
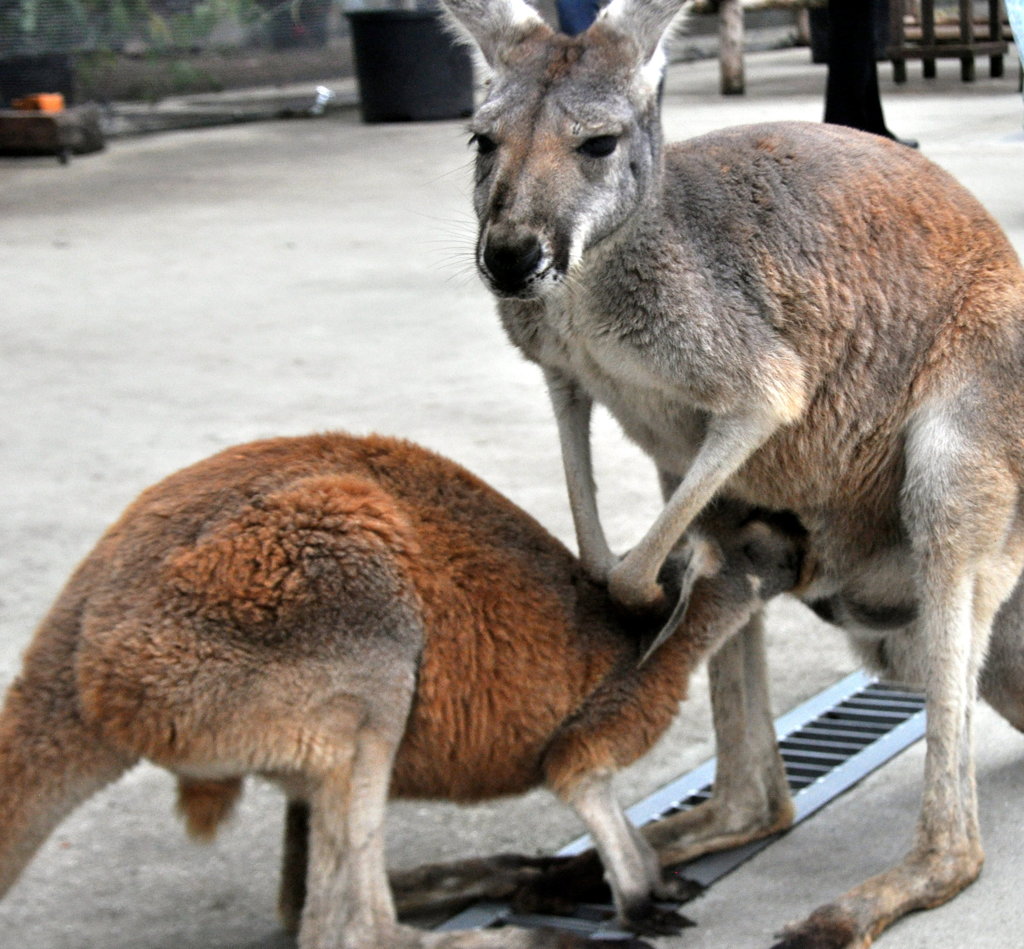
484 144
600 146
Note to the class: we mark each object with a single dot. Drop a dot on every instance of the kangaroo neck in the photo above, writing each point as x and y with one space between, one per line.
637 229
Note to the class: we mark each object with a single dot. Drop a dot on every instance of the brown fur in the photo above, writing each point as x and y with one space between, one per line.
352 617
205 805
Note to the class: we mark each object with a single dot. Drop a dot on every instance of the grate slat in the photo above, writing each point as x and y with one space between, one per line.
826 743
839 731
808 754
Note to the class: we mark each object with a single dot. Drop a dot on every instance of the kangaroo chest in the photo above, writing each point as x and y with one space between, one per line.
658 412
664 384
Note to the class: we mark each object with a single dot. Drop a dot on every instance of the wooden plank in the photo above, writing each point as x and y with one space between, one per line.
74 131
929 36
948 50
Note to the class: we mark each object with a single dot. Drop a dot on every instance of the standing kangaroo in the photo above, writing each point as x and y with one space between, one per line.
795 316
354 618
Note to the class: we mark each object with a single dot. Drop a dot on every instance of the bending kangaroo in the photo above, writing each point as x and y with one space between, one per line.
794 316
354 618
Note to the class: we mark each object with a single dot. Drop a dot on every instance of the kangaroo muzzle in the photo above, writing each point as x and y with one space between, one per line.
514 261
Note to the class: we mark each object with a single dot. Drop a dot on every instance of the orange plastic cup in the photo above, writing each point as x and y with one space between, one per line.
41 102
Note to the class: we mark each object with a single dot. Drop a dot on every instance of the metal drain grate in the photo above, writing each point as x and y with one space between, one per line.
828 744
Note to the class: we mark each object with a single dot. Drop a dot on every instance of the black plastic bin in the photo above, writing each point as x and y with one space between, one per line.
25 74
408 67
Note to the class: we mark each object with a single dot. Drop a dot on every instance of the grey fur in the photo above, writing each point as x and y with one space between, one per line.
795 317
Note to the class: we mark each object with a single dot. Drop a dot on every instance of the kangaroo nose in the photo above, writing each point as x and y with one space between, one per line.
511 261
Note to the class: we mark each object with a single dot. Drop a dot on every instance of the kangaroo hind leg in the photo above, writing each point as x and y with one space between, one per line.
1002 677
959 508
348 902
750 797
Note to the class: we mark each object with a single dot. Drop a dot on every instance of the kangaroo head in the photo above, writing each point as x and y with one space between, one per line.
568 137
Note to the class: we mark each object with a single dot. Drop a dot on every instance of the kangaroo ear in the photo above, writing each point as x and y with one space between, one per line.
648 23
494 26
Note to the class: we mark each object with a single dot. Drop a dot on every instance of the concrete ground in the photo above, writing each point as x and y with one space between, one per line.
182 292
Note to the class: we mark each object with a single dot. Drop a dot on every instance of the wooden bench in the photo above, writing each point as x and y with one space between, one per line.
730 33
75 131
919 31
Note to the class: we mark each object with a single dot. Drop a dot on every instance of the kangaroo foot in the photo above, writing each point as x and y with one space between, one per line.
923 880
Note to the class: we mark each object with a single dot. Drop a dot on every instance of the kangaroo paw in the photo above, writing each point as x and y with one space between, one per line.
676 888
827 928
649 919
563 884
628 943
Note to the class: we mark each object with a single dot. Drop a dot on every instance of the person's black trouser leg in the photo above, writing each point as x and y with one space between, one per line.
851 94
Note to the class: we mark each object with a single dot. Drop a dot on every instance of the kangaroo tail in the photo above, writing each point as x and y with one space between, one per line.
50 759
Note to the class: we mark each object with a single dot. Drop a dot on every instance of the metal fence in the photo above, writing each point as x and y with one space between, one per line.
148 49
141 26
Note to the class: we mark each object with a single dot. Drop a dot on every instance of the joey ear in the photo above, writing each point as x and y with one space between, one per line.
648 23
494 26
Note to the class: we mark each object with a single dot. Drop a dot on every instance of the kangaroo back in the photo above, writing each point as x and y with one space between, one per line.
248 587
